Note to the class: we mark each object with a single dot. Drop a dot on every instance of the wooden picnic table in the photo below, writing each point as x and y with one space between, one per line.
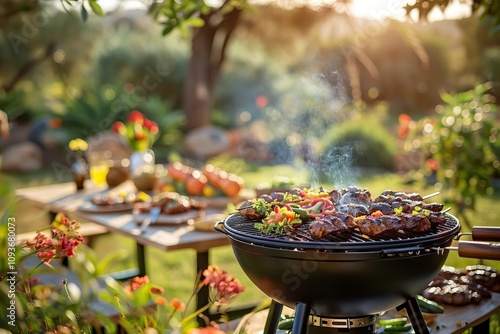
63 198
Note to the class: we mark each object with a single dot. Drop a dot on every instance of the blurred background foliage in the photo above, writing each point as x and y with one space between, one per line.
326 73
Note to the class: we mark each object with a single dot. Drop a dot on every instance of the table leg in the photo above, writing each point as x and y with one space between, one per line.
141 259
202 296
201 264
482 328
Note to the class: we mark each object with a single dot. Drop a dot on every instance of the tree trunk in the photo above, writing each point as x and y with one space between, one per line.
209 45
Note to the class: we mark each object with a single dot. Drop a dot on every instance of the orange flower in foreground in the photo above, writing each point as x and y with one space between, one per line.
161 301
156 290
177 304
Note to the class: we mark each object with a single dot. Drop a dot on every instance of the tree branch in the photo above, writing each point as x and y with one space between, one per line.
23 71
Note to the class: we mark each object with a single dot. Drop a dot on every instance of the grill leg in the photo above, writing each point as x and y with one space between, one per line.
301 320
416 318
273 317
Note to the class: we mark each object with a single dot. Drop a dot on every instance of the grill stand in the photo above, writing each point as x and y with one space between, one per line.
302 313
415 315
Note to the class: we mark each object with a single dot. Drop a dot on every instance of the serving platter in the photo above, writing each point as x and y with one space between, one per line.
90 207
169 219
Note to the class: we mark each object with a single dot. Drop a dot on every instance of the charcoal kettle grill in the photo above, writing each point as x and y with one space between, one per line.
342 283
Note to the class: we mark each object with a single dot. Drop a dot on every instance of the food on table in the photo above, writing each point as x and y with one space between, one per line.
463 286
116 175
107 198
173 203
428 306
207 181
342 210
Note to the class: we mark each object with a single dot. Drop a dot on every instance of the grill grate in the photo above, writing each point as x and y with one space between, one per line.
241 228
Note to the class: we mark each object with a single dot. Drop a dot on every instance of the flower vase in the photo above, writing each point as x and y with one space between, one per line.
142 169
80 172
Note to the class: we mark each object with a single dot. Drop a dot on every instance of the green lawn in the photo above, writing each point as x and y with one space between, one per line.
175 270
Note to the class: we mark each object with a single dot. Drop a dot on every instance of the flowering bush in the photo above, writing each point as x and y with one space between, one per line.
138 131
142 303
68 307
41 308
457 145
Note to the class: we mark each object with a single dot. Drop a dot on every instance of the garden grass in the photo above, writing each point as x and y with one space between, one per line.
175 270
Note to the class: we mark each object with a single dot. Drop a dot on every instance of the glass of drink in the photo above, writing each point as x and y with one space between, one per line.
99 166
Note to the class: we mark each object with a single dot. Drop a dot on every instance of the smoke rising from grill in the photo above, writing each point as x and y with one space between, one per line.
311 108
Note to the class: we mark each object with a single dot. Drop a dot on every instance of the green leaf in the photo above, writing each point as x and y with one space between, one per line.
448 98
141 296
95 7
108 261
85 14
196 22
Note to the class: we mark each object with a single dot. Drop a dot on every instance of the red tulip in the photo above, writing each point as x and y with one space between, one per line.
136 116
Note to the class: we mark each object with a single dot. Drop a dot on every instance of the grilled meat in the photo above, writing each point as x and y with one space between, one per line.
388 224
354 210
379 226
451 294
329 225
250 211
347 219
437 218
416 223
409 206
485 276
451 275
402 195
385 208
461 286
181 205
351 195
320 228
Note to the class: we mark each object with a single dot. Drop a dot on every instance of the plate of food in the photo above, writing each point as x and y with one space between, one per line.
175 209
111 202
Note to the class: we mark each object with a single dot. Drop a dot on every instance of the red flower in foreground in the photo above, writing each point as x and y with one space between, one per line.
65 239
223 287
137 282
136 116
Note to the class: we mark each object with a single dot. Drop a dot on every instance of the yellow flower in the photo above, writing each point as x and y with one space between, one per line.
78 144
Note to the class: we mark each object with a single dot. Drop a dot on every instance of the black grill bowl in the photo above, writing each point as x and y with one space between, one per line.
340 283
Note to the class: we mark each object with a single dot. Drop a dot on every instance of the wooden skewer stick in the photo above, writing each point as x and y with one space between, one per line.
431 195
446 210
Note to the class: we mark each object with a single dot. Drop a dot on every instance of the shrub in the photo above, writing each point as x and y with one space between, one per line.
367 142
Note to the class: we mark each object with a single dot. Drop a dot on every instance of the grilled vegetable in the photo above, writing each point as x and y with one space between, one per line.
286 323
396 322
428 306
280 220
397 329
